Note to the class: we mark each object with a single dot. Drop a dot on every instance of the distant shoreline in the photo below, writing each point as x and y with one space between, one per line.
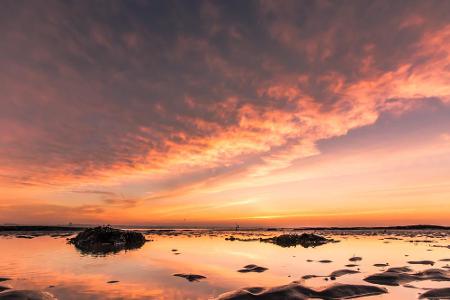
39 228
4 228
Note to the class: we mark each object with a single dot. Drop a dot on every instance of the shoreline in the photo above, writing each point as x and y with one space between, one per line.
9 228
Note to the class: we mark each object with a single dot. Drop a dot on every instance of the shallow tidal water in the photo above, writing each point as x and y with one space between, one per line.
50 264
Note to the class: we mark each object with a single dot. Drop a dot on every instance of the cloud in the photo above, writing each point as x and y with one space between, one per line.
176 93
106 193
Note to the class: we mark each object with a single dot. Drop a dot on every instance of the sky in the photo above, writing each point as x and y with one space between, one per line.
257 113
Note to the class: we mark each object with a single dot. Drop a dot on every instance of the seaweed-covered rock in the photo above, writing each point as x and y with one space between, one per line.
105 240
291 240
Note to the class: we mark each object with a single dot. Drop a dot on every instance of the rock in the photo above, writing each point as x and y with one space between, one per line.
333 275
105 240
26 295
4 288
339 273
381 265
291 240
190 277
325 261
296 291
443 293
395 276
252 268
355 258
351 265
4 279
113 281
421 262
389 278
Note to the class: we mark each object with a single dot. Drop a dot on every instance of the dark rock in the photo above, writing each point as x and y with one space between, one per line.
395 276
4 279
325 261
355 258
421 262
381 265
291 240
443 293
339 273
190 277
3 288
252 268
113 281
106 240
390 278
295 291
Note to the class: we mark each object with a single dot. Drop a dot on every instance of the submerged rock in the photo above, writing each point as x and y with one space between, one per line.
105 240
190 277
252 268
26 295
296 291
305 240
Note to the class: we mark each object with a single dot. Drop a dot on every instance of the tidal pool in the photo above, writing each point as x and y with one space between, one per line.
47 263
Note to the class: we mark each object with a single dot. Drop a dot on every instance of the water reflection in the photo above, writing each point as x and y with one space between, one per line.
48 264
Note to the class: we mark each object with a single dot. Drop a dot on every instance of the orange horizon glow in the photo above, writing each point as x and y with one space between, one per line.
259 121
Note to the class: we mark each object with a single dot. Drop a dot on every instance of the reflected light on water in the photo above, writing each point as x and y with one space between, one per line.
50 264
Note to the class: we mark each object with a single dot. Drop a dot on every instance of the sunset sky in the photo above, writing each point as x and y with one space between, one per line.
268 113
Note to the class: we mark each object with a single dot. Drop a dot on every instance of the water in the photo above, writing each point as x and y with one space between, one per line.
50 264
